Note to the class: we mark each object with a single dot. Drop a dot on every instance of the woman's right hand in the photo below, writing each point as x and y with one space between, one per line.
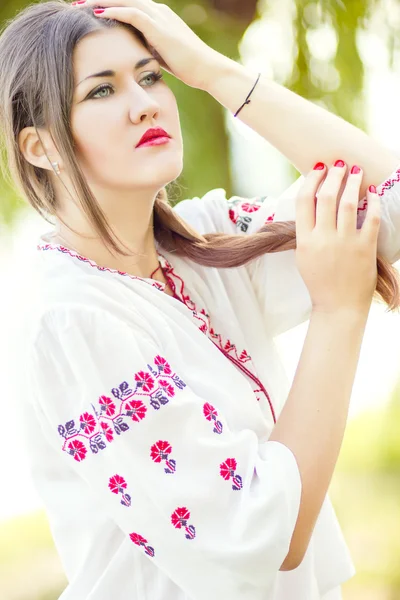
336 260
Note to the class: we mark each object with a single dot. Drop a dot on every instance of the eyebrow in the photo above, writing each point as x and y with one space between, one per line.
141 63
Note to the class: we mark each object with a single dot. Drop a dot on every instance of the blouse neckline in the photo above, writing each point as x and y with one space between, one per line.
44 245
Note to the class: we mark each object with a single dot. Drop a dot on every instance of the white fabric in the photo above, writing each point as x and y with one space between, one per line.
147 419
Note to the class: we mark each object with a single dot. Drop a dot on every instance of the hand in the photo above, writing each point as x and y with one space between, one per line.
182 53
336 260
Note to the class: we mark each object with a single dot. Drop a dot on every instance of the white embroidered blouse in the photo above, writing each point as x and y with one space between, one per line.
147 417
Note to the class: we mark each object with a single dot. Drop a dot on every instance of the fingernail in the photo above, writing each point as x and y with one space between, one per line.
98 11
372 189
355 170
81 2
319 166
339 163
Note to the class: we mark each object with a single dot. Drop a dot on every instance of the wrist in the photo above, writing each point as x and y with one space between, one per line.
344 315
217 69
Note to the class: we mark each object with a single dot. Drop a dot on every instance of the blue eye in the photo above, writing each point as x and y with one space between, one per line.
103 86
154 77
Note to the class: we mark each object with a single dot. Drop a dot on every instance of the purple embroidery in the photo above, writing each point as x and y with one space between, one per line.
118 485
227 471
160 451
95 429
179 519
141 541
211 414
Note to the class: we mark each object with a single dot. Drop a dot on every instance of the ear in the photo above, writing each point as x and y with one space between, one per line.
37 147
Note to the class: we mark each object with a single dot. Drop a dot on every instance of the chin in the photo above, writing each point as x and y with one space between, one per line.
166 172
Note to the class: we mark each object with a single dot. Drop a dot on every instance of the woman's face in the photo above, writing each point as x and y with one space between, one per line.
110 113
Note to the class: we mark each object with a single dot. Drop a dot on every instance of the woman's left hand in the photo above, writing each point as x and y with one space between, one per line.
181 51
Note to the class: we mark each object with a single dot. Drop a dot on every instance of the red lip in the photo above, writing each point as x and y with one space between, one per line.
151 134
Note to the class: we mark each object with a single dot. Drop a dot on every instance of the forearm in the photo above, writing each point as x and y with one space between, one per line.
313 420
302 131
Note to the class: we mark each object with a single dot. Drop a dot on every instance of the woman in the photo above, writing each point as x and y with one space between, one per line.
172 458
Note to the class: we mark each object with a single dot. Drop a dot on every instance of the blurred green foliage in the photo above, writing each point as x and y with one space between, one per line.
372 442
222 23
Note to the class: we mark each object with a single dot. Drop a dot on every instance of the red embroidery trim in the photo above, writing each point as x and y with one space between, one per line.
204 326
201 316
386 186
158 284
389 183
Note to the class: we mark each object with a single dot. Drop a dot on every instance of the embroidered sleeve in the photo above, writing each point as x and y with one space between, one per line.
277 283
280 289
389 233
215 509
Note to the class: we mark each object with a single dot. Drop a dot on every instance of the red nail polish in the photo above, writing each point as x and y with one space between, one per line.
81 1
98 11
319 166
355 170
339 163
372 189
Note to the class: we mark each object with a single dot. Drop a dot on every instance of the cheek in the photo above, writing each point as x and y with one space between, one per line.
95 135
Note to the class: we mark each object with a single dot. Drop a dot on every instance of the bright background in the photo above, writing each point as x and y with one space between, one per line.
361 83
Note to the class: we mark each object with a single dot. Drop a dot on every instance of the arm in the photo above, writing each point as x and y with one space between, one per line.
313 420
207 502
304 132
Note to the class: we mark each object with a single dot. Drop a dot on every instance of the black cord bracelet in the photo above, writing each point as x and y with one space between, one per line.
247 101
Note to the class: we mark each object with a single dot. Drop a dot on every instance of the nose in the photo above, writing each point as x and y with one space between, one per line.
143 107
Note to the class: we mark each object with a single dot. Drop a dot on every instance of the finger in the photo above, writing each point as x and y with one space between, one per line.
145 5
305 204
133 16
370 227
327 196
348 204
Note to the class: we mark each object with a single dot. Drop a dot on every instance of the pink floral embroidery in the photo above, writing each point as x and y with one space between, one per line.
88 423
96 429
179 519
227 471
107 406
136 410
144 381
160 451
211 414
77 450
118 485
200 316
141 541
162 365
107 431
240 209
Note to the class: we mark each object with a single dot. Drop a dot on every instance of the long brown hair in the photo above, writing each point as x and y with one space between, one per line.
36 89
